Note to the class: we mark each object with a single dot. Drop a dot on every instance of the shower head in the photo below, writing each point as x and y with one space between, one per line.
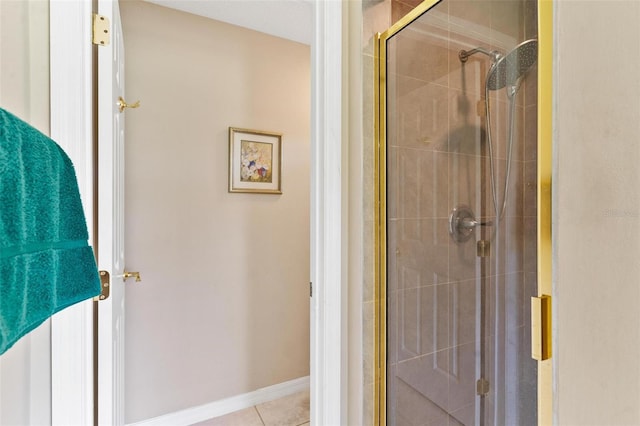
508 69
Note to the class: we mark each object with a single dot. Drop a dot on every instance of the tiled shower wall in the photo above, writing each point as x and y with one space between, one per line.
458 94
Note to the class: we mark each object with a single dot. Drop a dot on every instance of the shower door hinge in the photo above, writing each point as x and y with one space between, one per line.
483 248
101 30
482 387
105 286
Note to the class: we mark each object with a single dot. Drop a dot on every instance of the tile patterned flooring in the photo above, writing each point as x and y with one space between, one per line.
292 410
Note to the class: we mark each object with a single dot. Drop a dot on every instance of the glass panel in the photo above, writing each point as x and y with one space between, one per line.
461 268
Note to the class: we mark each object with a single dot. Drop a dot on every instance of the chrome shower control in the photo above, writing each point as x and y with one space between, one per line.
462 222
472 223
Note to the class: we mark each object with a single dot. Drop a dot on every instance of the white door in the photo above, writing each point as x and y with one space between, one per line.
111 220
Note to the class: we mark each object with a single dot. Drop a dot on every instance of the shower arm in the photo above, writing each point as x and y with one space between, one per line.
463 55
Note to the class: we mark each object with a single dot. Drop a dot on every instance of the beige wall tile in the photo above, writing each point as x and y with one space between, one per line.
428 375
414 408
477 12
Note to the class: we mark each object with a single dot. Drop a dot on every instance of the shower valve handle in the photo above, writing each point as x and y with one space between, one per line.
462 222
472 223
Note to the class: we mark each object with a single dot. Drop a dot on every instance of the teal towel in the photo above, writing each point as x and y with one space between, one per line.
46 263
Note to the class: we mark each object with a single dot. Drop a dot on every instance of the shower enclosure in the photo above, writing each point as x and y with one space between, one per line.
458 214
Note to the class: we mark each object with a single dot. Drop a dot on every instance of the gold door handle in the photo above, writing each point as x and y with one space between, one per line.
122 104
541 327
132 274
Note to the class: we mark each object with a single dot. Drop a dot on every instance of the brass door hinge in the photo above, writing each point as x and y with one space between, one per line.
105 286
101 30
482 387
483 248
541 327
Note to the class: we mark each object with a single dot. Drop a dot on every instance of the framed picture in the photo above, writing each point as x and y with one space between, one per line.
255 161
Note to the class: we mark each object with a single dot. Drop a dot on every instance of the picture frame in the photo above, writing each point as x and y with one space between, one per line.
255 161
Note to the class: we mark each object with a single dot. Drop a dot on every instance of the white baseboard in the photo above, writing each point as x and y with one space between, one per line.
228 405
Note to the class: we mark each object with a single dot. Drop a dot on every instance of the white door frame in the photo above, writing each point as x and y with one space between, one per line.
328 213
72 128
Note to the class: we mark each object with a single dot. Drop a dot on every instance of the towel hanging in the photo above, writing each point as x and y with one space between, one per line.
46 263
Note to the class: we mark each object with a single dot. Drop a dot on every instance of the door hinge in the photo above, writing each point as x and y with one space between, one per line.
105 286
541 327
310 289
101 30
482 387
483 248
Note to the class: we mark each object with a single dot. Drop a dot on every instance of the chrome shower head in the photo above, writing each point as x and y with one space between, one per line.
463 55
508 69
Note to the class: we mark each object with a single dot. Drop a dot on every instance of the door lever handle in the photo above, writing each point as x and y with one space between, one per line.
122 104
132 274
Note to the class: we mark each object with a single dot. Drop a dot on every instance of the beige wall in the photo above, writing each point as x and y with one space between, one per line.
357 219
25 372
223 308
597 213
24 60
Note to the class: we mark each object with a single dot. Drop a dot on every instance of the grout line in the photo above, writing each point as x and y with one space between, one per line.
259 415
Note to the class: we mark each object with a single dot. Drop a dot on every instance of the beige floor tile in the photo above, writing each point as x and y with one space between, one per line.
246 417
291 410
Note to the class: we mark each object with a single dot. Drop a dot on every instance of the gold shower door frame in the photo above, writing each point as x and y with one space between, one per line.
545 90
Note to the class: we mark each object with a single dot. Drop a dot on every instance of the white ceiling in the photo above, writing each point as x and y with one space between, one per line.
290 19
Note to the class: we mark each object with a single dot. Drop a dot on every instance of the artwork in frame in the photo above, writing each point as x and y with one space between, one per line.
255 161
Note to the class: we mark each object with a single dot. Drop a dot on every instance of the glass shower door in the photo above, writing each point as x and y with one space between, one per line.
460 268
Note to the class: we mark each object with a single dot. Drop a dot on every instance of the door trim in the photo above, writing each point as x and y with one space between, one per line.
71 65
544 182
380 218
